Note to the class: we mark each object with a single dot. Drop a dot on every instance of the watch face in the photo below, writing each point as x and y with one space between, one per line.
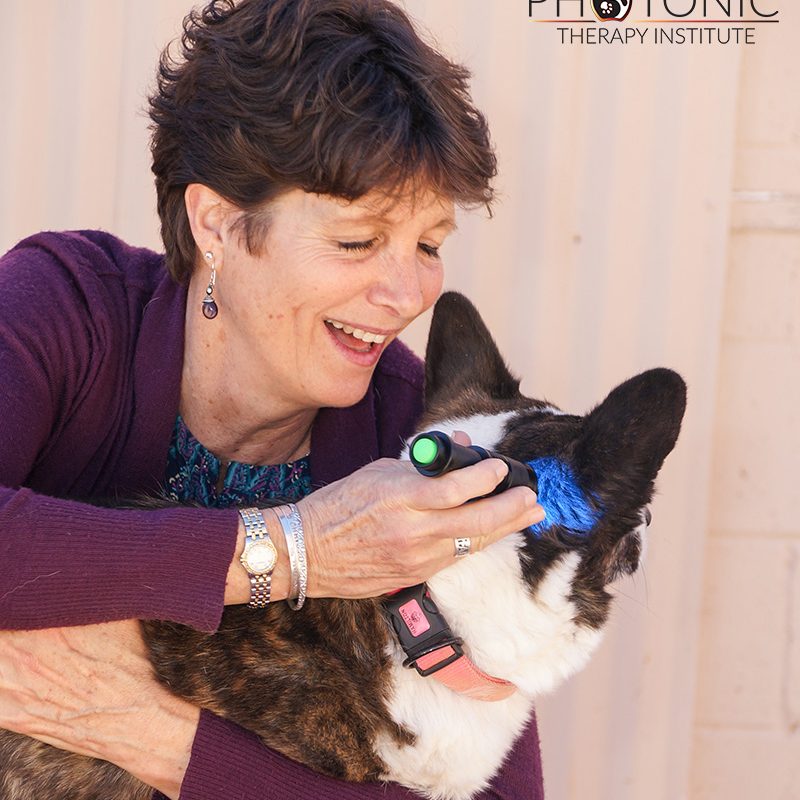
259 557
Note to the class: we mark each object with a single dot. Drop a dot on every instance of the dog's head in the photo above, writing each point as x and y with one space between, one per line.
596 472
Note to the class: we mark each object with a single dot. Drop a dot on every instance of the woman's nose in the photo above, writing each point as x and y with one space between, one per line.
402 286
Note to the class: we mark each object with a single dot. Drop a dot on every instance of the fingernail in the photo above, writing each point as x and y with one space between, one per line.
538 514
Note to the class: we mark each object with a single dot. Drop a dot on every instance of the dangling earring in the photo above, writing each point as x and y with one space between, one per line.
210 309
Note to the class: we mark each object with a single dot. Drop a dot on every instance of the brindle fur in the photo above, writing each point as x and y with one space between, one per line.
315 685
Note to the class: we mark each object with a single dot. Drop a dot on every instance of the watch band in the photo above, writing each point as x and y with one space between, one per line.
257 533
260 591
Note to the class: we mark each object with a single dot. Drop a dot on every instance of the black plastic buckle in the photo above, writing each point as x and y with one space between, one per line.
420 627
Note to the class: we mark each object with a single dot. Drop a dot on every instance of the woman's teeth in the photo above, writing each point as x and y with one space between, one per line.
364 336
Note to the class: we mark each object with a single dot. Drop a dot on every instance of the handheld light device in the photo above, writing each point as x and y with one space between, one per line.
433 453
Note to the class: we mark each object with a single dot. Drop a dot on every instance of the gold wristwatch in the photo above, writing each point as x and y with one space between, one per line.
258 557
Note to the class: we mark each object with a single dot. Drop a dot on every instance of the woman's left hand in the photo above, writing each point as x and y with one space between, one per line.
91 690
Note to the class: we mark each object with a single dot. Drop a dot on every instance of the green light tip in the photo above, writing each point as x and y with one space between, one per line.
425 450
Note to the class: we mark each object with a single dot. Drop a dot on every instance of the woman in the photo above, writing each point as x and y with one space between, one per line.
308 157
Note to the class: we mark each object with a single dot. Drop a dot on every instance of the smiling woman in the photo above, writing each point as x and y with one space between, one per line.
308 159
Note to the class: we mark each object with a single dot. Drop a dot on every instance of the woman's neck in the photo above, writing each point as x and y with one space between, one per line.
231 437
228 407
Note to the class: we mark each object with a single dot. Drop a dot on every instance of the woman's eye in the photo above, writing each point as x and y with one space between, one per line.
429 250
356 246
360 247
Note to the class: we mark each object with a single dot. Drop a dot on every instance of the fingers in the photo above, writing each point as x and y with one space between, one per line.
459 486
460 437
484 522
488 520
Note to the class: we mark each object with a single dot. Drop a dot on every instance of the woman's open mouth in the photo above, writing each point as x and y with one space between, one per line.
354 338
357 345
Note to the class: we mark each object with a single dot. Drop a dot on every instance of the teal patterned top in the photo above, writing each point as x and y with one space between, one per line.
193 476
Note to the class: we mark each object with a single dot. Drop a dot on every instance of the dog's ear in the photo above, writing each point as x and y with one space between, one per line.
626 438
462 355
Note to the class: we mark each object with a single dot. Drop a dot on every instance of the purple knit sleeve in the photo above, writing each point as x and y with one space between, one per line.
66 563
228 761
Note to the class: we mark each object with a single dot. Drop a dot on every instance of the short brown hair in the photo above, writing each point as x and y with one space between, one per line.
337 97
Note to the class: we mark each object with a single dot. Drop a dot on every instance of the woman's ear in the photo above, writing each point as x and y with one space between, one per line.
207 212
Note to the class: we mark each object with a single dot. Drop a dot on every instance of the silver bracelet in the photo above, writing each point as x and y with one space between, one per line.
292 525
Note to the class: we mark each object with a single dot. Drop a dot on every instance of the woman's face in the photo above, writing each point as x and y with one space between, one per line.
335 283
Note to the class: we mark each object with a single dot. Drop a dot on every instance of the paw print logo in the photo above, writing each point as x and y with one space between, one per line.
615 10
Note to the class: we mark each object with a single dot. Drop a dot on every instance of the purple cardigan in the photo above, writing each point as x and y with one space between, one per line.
91 348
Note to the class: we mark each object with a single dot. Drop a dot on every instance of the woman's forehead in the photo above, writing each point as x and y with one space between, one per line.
382 207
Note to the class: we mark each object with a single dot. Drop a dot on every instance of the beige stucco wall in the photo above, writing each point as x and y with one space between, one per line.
649 215
746 737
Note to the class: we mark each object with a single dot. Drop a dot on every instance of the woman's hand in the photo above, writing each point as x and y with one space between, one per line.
385 526
91 690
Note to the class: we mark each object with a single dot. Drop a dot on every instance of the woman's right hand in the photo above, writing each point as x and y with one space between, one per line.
90 689
386 526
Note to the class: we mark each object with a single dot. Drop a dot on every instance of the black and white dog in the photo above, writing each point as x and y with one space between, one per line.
532 607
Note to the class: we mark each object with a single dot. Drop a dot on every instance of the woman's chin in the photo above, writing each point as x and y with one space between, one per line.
344 396
347 372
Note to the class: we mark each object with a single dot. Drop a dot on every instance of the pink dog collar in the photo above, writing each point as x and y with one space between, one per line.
432 649
464 677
